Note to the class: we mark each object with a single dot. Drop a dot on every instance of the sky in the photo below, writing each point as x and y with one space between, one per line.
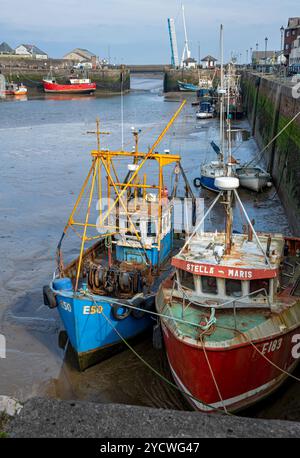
136 32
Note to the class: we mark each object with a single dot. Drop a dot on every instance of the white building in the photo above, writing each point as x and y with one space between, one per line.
31 51
295 52
209 62
190 63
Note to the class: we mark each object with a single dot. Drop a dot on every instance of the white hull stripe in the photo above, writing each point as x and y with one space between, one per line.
230 401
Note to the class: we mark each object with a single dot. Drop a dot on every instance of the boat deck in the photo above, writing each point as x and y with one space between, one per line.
244 254
227 323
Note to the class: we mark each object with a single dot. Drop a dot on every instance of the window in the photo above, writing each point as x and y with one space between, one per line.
209 285
256 285
233 288
187 280
287 34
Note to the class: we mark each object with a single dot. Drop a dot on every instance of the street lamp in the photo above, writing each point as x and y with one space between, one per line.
266 47
251 55
282 32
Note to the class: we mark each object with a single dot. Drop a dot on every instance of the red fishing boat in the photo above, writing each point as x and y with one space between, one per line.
230 313
75 86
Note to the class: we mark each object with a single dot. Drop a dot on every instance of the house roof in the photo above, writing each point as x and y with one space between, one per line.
189 59
263 54
208 58
85 53
33 49
5 48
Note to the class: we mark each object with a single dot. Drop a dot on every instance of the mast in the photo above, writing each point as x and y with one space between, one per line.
186 44
222 94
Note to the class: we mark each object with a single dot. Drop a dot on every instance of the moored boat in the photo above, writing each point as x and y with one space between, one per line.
230 314
15 89
74 86
103 295
206 111
253 177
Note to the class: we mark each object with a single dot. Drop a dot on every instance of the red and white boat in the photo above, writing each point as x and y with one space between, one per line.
75 86
15 89
230 313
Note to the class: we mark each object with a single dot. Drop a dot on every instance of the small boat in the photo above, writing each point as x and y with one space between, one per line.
209 172
187 87
74 86
230 314
104 295
253 178
206 111
15 89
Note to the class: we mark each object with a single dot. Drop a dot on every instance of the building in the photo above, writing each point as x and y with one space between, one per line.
80 55
209 62
6 49
295 52
265 57
290 35
31 51
190 63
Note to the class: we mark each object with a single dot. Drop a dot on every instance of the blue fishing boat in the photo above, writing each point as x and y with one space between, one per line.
187 87
104 296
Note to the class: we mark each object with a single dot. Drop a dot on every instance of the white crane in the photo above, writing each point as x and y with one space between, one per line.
186 54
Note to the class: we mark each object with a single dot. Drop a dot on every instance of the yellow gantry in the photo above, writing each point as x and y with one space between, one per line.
103 161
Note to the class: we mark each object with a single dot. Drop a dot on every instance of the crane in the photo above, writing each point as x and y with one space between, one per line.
186 54
173 42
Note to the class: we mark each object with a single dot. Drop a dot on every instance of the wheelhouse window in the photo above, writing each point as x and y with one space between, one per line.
209 285
187 280
257 287
233 288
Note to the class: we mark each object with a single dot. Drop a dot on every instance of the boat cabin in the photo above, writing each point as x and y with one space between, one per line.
244 276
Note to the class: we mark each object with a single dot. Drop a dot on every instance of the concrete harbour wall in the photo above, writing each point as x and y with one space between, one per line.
31 72
270 106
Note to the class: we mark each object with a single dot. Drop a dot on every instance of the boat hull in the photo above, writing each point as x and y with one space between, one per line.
93 330
242 375
81 88
208 183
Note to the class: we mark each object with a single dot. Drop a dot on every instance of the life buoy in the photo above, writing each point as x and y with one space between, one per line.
197 182
120 316
49 297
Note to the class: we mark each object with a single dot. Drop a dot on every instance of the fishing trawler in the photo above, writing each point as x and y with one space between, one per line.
206 111
102 295
234 312
75 85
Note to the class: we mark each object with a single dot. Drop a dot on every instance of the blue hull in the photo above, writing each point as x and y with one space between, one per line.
92 328
208 183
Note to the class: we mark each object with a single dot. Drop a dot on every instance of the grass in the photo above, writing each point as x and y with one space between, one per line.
3 422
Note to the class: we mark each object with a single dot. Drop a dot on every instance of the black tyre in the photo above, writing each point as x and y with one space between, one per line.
197 182
49 297
125 312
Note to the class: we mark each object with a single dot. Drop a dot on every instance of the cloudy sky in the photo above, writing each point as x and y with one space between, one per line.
135 31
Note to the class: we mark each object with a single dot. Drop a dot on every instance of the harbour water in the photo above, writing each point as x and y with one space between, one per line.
45 156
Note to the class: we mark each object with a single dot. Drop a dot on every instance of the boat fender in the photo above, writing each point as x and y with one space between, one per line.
157 338
125 312
144 304
49 297
197 182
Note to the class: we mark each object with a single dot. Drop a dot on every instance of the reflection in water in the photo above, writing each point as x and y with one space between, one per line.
45 150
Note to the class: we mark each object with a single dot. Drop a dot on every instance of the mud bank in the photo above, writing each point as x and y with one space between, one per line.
53 418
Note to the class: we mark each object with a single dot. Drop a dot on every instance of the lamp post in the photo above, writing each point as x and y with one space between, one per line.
251 55
281 34
247 56
266 48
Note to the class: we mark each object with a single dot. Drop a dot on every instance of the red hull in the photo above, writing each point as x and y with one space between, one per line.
69 88
243 376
